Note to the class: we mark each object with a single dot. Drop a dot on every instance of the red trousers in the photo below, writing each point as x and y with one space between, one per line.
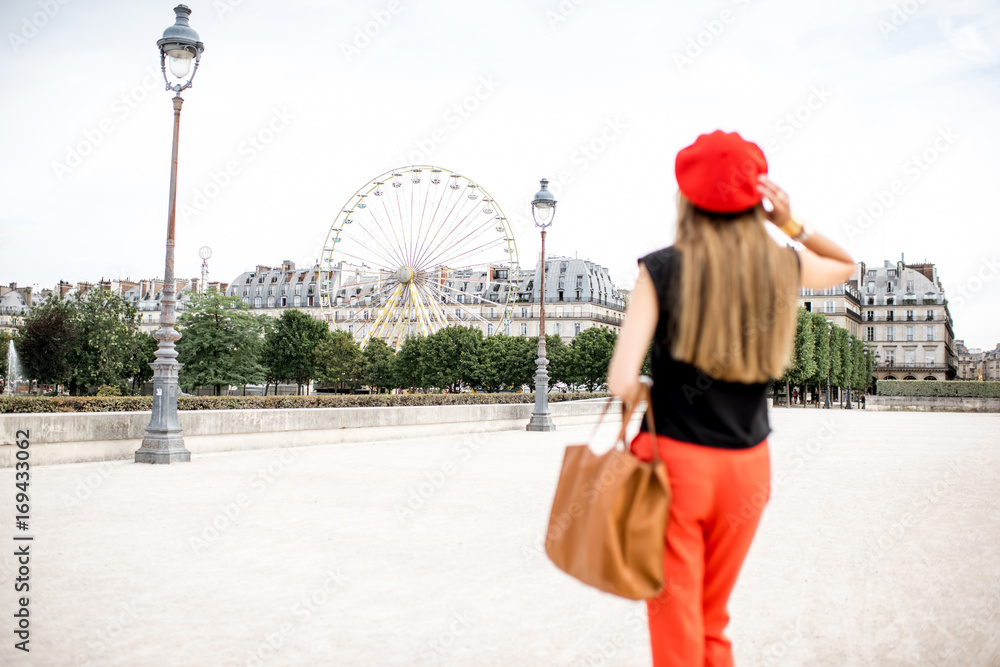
718 495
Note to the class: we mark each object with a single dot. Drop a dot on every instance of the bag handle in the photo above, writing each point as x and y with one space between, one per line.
627 410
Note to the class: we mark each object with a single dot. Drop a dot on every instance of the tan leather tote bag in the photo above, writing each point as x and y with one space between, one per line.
609 516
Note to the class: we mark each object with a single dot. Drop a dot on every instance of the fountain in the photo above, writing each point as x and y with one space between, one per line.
13 371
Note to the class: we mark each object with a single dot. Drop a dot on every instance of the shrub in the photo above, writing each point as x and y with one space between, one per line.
26 404
941 388
108 390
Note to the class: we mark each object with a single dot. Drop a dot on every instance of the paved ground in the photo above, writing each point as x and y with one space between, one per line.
881 546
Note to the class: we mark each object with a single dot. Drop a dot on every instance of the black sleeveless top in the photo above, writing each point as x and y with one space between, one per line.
688 404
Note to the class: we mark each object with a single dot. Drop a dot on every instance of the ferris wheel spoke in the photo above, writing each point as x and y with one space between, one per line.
449 253
391 256
476 297
419 242
444 224
483 247
437 209
437 251
386 262
459 305
388 223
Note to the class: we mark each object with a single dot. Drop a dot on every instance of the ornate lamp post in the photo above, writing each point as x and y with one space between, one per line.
163 442
543 210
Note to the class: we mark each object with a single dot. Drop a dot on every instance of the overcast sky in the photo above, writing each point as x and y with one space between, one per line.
884 107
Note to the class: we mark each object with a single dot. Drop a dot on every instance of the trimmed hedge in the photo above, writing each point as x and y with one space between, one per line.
23 404
942 388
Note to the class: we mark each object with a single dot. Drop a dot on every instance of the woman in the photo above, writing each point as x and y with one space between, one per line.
719 307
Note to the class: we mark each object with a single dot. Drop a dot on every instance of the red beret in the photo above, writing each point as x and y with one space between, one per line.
718 172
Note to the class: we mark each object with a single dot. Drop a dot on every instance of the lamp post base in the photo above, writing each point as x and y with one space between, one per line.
540 422
163 448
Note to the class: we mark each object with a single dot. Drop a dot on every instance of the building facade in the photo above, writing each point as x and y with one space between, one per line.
905 318
579 294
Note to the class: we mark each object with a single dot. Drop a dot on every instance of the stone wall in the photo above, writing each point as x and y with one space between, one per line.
933 404
104 436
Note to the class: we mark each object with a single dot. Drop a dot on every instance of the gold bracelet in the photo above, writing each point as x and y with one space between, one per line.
792 228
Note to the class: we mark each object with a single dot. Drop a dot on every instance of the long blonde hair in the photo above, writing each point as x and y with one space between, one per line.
735 317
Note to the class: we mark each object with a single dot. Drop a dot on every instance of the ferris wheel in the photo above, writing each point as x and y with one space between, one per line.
417 249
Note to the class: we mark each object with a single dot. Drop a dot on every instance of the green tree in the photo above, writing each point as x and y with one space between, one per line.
837 347
408 368
494 354
821 349
803 364
221 343
377 360
591 354
338 361
846 361
455 351
104 347
143 354
561 366
860 367
520 364
290 347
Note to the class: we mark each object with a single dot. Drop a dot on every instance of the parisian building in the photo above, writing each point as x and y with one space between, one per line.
907 321
901 312
579 294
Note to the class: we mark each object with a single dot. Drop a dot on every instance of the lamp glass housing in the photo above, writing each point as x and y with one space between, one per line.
179 62
543 212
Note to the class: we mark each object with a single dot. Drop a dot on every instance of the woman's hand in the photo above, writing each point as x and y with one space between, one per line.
781 209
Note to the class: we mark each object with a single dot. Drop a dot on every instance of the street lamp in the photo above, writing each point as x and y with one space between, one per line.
163 442
543 210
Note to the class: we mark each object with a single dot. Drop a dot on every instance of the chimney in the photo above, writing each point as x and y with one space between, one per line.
223 287
63 287
287 265
127 285
194 285
261 269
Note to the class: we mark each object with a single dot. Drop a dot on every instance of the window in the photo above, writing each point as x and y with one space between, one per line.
889 301
562 267
259 288
909 333
890 333
909 316
929 358
579 282
930 314
312 301
524 312
298 289
888 287
871 315
890 316
284 289
256 302
493 312
890 358
284 301
871 286
489 329
808 306
909 287
910 357
929 333
524 329
576 329
246 291
829 306
558 328
350 329
871 333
